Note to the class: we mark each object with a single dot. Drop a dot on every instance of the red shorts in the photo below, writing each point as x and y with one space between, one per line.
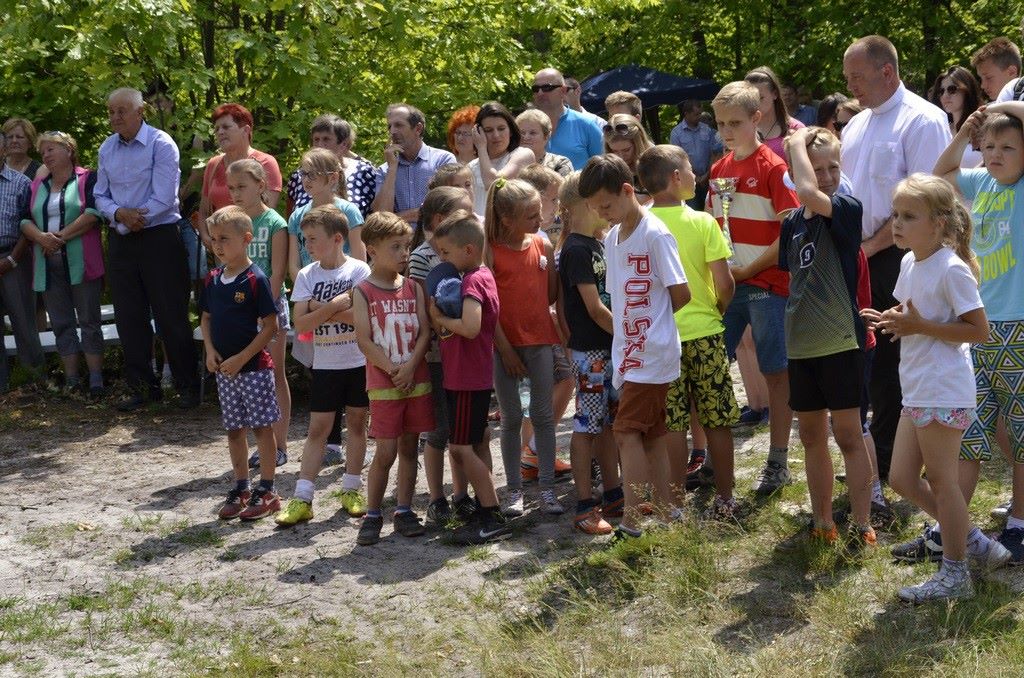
642 409
393 418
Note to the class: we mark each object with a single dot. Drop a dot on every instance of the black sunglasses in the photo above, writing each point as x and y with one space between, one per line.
619 128
949 89
546 88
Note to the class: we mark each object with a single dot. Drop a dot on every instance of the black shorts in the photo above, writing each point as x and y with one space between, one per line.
832 382
467 416
334 390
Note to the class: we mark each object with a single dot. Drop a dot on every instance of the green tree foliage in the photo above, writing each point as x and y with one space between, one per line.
289 61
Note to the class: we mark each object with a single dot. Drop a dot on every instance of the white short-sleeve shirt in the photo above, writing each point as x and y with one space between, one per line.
933 372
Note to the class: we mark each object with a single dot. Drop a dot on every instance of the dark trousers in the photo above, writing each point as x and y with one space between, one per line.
148 275
884 384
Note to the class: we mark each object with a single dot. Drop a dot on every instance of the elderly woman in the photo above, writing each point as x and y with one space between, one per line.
460 133
21 137
496 138
68 257
625 137
534 131
338 136
232 128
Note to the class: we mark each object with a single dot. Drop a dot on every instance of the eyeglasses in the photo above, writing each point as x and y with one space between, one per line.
949 89
546 88
306 174
619 128
464 135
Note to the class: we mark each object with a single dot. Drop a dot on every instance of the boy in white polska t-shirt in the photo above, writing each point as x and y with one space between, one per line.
647 286
323 306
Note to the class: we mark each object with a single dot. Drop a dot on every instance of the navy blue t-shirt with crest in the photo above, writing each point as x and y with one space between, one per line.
235 308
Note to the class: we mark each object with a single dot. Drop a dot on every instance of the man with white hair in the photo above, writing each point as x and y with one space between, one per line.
137 191
16 298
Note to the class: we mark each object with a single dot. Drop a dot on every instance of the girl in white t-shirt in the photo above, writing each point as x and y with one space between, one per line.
939 314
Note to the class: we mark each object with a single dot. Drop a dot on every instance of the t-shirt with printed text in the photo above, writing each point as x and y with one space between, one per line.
334 343
395 328
997 240
264 227
645 343
236 304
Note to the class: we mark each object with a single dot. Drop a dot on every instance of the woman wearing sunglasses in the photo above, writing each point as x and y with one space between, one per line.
958 93
626 138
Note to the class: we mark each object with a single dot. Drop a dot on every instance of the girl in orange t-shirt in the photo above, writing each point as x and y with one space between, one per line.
523 264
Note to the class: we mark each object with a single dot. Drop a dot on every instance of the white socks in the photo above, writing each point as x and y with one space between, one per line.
304 490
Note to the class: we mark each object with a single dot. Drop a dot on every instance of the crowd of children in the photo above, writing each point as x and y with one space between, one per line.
638 308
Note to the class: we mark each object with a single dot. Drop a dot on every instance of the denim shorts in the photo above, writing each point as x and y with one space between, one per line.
765 312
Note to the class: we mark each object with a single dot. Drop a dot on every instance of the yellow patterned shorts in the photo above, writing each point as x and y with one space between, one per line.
704 378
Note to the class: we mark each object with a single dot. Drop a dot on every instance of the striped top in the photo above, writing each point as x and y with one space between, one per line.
754 223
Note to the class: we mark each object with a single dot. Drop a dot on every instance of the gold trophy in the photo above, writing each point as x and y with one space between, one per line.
725 187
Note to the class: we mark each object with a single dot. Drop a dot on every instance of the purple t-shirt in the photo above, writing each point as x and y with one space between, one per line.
468 363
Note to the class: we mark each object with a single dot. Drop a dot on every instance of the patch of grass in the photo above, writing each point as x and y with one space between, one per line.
142 522
478 554
46 536
202 537
26 623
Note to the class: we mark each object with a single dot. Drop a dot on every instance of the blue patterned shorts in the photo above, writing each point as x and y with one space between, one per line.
999 376
248 399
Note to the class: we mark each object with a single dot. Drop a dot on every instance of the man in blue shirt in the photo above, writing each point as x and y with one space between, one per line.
701 143
17 300
572 134
402 180
137 191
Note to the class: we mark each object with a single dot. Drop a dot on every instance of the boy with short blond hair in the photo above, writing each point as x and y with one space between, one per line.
998 65
322 298
704 364
760 201
390 317
239 318
647 285
466 359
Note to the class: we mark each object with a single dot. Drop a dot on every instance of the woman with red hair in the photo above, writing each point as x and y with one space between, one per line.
232 128
460 133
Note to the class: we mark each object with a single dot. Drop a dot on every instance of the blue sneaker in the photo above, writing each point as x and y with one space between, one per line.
1013 540
254 459
751 417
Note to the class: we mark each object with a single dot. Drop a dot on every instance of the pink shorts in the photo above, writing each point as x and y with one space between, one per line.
393 418
959 418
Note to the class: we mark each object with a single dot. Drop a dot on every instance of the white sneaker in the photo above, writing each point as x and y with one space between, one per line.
332 455
994 557
513 507
549 503
947 584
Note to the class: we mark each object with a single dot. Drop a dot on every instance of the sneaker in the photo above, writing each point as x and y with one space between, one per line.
774 476
549 503
369 531
1011 539
592 522
491 528
994 557
1002 511
751 417
295 511
407 524
254 459
808 535
702 477
333 456
262 504
439 512
926 548
282 458
513 507
596 480
235 504
353 503
464 509
613 509
722 510
947 584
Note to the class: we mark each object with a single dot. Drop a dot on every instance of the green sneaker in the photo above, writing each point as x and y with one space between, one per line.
353 503
297 511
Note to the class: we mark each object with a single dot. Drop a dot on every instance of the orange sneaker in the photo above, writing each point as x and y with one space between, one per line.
529 460
592 522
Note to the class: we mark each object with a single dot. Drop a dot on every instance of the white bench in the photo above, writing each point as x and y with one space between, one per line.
49 341
106 316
